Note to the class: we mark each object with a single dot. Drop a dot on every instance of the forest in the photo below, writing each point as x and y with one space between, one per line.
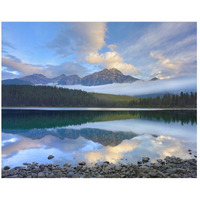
48 96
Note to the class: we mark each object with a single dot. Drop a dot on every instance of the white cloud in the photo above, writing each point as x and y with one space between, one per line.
67 68
112 47
167 68
112 59
16 67
80 37
177 41
174 85
22 67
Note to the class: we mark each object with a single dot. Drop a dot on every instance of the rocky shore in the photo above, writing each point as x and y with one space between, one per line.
170 167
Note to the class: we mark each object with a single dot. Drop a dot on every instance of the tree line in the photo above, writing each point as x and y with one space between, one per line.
48 96
184 100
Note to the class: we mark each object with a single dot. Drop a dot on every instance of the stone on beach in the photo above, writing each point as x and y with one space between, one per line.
170 167
41 175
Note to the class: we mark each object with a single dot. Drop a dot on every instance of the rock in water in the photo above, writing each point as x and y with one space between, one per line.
145 159
6 168
82 163
50 157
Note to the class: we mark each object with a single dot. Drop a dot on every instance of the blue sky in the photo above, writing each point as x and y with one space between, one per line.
143 50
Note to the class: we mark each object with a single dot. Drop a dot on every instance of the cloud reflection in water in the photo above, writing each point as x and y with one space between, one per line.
81 149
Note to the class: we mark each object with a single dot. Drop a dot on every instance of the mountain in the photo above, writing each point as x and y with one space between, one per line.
107 77
58 79
66 80
36 79
154 79
104 137
15 81
98 78
70 80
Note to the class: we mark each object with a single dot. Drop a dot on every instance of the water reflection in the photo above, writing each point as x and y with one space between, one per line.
26 119
95 136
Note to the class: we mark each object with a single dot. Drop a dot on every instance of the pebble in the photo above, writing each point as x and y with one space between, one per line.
158 165
82 163
153 174
70 175
41 175
170 167
118 168
50 157
145 159
171 171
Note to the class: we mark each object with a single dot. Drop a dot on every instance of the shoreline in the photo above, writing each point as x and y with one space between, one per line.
92 108
170 167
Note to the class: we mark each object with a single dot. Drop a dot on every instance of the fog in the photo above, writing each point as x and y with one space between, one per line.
139 88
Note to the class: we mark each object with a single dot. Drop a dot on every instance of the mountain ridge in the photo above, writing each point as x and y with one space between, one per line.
103 77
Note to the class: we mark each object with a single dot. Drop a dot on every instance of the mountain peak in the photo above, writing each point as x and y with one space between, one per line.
107 76
35 79
114 70
36 75
62 76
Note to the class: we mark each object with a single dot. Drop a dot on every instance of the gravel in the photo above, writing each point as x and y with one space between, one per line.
170 167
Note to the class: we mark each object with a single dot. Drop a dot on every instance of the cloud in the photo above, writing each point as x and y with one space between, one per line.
80 37
112 47
13 57
167 68
173 85
7 44
6 47
112 59
159 35
68 68
13 67
112 154
177 41
24 68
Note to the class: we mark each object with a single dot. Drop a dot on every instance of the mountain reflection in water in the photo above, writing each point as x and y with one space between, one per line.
95 136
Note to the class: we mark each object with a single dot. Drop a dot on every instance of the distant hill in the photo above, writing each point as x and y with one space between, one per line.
15 82
36 79
98 78
66 80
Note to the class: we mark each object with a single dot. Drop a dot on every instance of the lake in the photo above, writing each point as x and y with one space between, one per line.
96 135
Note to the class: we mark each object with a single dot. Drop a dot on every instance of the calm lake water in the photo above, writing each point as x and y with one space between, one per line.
95 136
